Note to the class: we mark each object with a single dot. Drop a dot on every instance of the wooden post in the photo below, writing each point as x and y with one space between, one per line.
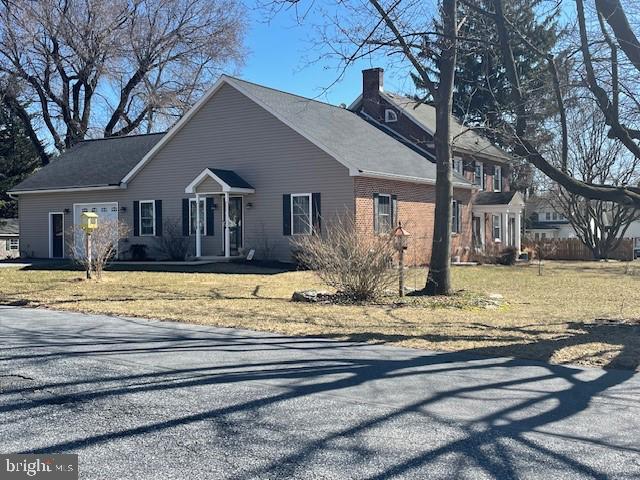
88 253
401 273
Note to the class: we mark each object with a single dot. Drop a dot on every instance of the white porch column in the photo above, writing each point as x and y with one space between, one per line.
198 239
227 237
518 231
505 229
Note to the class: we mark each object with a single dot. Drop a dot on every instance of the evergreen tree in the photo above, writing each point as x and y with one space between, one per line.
482 98
18 159
482 90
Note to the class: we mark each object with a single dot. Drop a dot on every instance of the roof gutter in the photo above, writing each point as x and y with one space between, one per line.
406 178
63 190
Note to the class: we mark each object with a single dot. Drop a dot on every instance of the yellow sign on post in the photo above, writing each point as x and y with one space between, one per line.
89 221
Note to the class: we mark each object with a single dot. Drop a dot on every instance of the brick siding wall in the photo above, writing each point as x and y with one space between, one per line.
416 209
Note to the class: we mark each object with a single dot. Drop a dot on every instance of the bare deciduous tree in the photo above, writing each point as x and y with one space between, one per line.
104 245
400 28
596 159
602 79
111 67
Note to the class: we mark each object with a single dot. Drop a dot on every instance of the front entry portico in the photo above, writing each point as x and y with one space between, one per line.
497 219
232 188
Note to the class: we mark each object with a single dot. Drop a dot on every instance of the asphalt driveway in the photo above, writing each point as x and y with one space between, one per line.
148 399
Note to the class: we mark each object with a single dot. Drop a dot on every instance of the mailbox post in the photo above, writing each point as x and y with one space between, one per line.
89 224
400 241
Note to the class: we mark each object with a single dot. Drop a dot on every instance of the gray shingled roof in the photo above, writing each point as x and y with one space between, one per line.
464 139
344 134
92 163
231 178
9 226
494 198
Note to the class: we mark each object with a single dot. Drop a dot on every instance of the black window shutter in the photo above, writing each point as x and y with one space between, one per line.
316 213
208 208
375 213
185 217
158 218
394 211
136 219
286 214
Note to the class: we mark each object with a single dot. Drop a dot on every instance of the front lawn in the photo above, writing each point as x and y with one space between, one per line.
585 313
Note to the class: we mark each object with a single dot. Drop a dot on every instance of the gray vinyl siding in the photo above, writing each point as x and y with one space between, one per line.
230 132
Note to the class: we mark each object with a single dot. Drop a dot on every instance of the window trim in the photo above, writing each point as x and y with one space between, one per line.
458 161
497 173
482 183
493 227
377 213
457 215
390 115
140 203
204 219
13 244
308 195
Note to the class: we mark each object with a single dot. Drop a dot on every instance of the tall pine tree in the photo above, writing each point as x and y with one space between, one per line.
482 97
18 159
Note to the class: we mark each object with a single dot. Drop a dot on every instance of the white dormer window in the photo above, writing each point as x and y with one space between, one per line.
390 116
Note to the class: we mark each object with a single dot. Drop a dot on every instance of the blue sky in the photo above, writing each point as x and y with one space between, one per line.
278 58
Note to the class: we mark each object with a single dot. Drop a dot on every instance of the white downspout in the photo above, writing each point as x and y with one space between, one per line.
505 230
518 231
198 239
227 237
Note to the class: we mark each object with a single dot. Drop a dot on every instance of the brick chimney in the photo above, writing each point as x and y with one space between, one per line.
372 85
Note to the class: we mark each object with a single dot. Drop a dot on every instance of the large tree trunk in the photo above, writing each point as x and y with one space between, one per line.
439 277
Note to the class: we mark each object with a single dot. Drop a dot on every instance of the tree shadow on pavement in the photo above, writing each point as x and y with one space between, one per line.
491 440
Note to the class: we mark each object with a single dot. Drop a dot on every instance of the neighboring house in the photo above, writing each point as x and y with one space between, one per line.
9 238
248 167
545 222
493 214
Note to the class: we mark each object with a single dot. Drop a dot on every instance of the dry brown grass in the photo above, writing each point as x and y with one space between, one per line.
558 317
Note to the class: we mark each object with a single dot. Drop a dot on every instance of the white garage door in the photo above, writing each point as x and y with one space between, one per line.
104 210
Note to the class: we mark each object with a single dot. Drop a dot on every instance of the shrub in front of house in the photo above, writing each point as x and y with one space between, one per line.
356 266
172 244
508 256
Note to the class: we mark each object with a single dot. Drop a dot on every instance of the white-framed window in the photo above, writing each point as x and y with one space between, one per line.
496 223
455 217
556 216
390 116
193 217
384 214
13 244
458 165
301 214
497 179
147 217
547 216
478 177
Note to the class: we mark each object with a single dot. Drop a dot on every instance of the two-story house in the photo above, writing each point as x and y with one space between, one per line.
249 167
496 212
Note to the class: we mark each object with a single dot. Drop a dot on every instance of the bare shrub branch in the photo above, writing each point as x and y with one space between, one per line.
356 265
104 245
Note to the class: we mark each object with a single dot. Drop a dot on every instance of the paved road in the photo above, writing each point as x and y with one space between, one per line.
155 400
